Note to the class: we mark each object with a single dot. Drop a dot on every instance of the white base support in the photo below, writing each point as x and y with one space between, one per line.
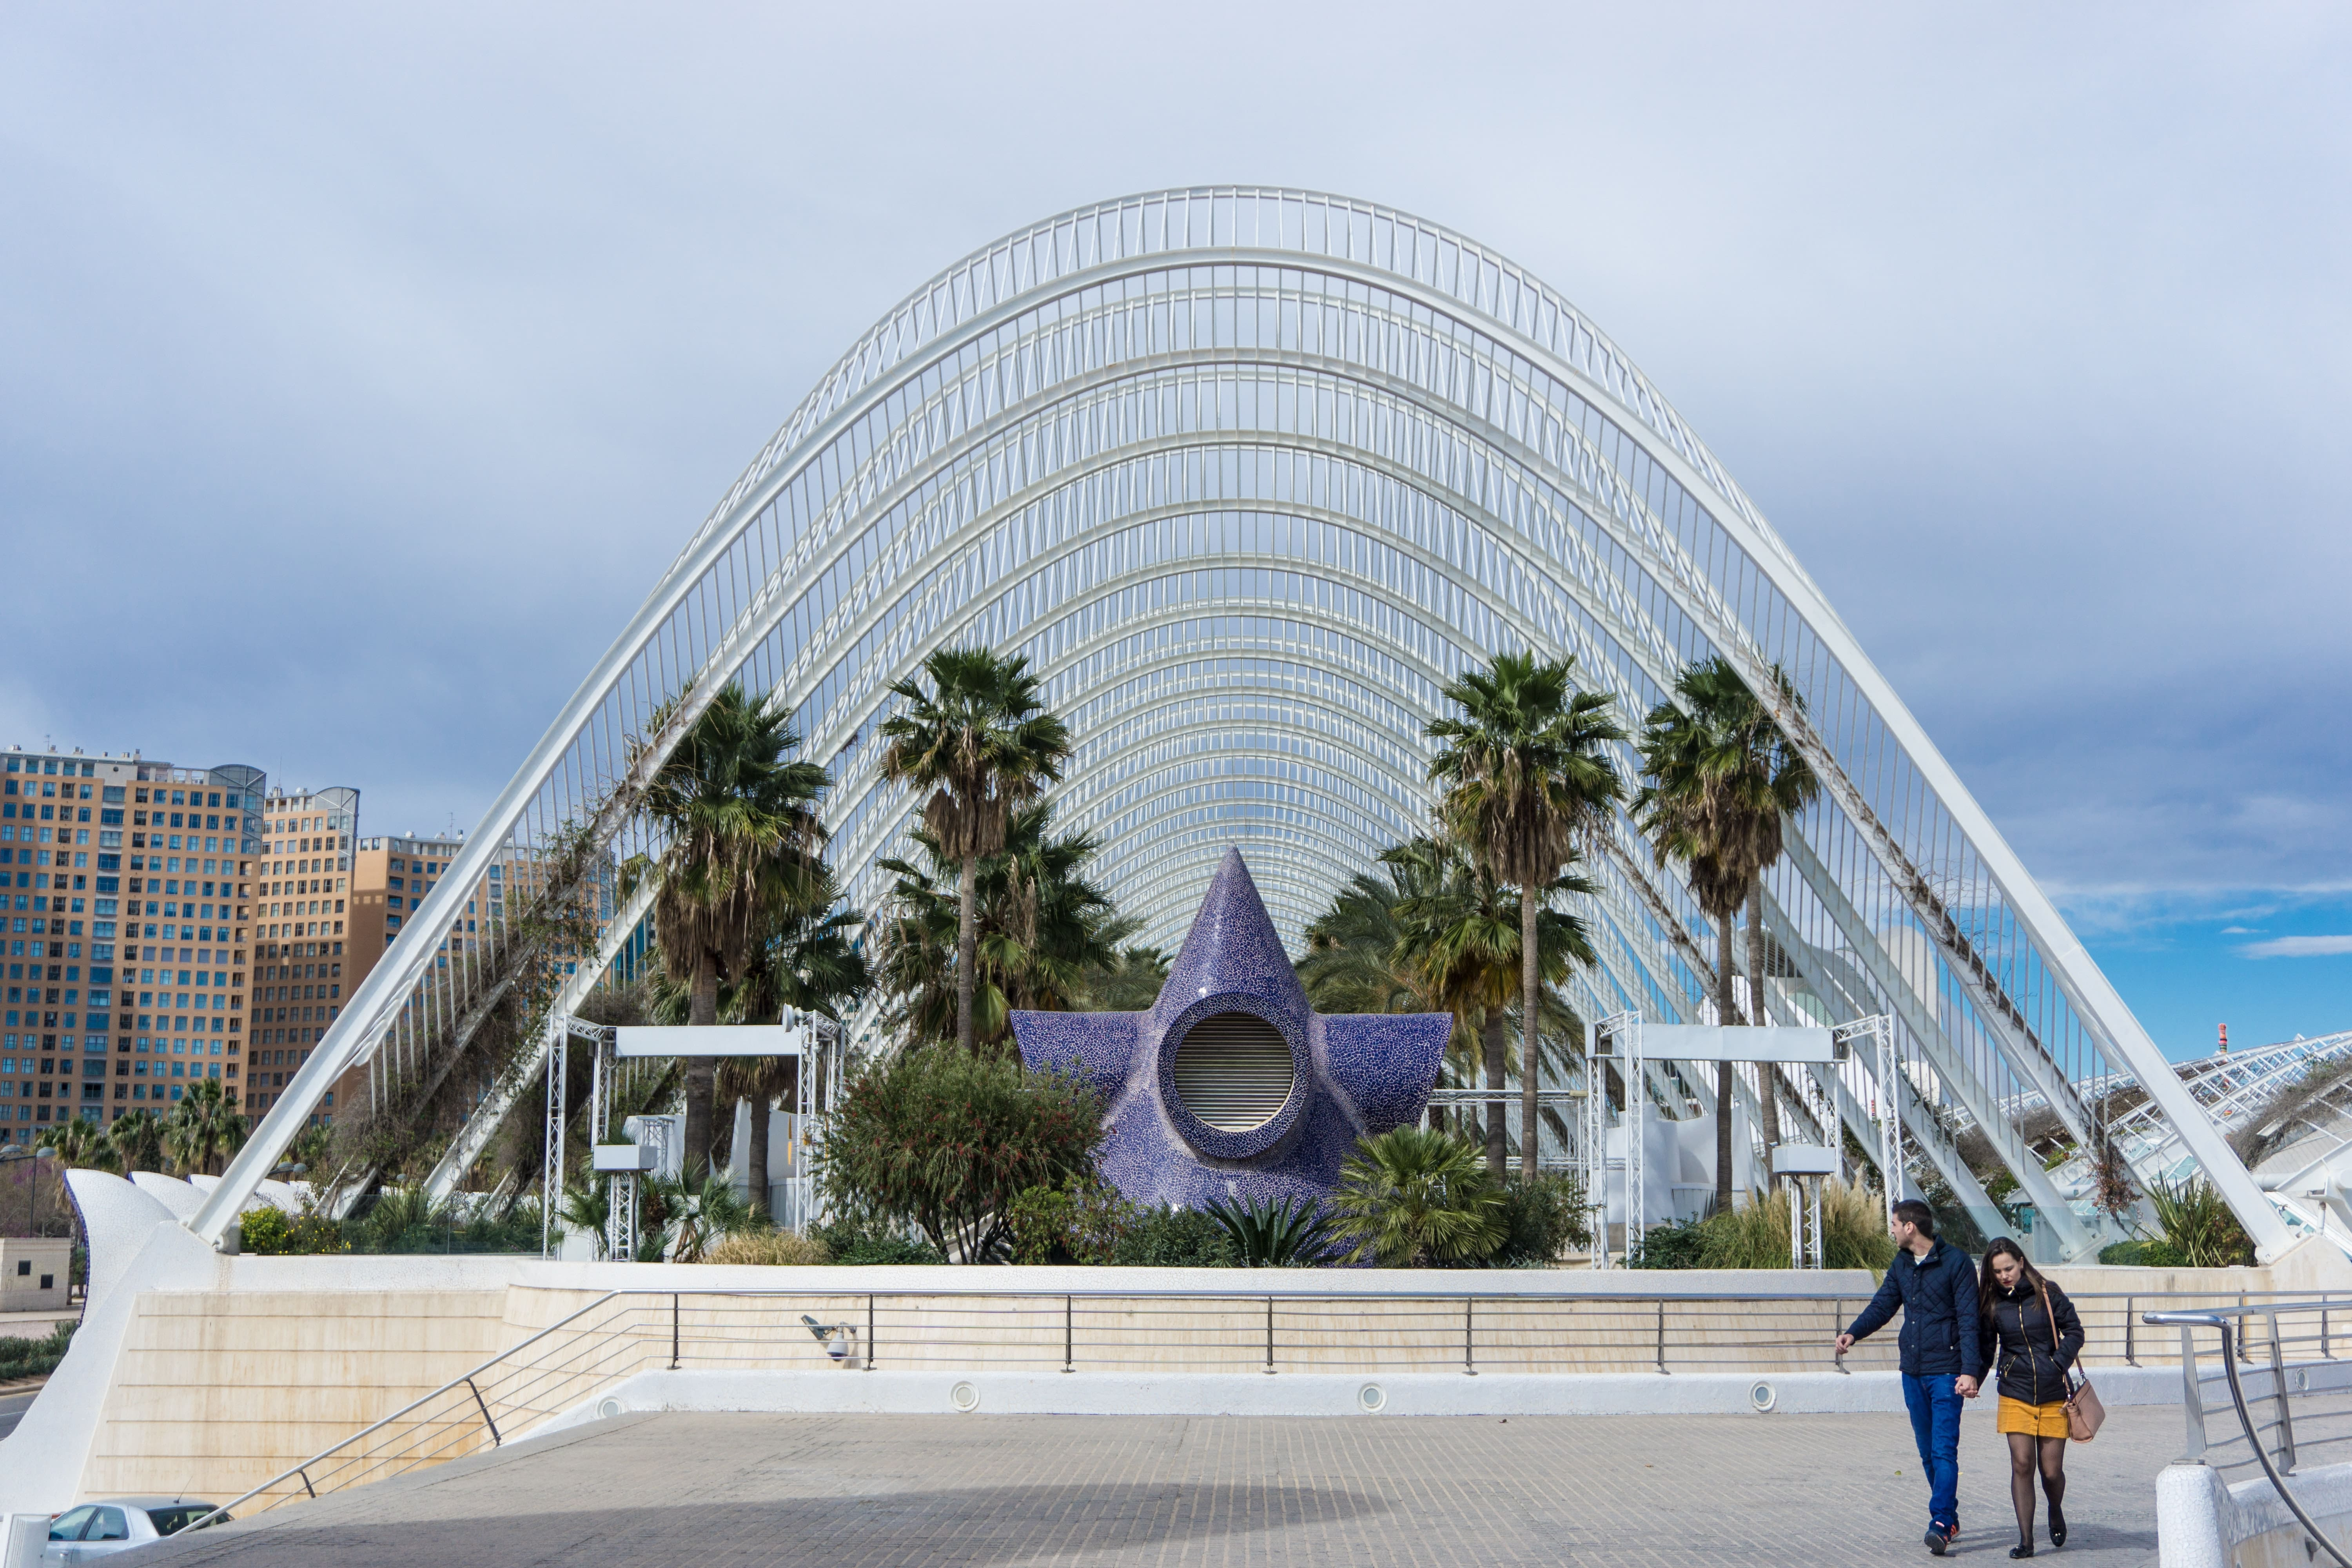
843 1391
2204 1522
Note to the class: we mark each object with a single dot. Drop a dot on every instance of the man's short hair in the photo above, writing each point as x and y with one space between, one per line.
1911 1211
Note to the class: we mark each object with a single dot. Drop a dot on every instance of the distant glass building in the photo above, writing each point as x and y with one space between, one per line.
129 925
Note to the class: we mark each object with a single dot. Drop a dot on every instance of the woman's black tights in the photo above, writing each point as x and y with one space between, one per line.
2022 1463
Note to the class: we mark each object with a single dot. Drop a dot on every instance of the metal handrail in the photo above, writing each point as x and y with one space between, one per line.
2220 1319
465 1380
478 1389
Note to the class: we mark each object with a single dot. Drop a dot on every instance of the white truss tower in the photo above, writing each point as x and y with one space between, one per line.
1250 474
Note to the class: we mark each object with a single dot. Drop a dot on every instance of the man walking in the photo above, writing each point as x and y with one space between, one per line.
1931 1281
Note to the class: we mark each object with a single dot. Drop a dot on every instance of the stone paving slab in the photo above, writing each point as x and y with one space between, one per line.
741 1490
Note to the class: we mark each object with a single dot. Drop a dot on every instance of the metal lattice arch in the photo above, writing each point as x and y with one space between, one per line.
1250 474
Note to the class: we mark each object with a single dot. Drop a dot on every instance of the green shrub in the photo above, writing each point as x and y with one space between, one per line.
860 1242
1293 1233
1754 1235
1541 1220
1078 1222
1853 1235
407 1220
1679 1245
947 1141
2197 1225
1415 1198
1174 1237
2143 1253
34 1358
772 1248
272 1232
1853 1228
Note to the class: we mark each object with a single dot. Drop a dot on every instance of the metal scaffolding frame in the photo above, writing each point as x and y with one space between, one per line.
1250 474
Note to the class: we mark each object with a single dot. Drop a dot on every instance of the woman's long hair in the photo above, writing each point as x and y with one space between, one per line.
1989 1284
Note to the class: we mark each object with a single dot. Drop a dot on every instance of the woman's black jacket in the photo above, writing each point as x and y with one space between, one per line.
2030 1352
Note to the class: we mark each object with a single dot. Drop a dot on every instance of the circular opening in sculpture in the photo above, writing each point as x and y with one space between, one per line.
1233 1071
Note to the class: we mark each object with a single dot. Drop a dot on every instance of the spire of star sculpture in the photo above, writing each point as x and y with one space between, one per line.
1231 1085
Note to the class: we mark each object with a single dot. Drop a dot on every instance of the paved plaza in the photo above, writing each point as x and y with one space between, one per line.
744 1490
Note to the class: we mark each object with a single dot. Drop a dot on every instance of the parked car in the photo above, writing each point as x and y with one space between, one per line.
96 1530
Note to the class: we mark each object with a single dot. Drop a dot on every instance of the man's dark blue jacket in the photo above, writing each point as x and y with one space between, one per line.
1937 1294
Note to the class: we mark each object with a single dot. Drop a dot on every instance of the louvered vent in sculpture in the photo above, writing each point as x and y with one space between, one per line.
1233 1071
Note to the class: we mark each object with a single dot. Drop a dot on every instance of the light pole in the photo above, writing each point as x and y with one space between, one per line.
33 1186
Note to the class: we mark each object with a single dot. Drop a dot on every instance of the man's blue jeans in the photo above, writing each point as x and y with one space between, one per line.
1935 1405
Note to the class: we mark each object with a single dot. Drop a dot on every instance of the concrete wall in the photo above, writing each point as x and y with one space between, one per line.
36 1273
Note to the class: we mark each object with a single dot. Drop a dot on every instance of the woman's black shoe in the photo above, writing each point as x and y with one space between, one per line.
2021 1551
2057 1527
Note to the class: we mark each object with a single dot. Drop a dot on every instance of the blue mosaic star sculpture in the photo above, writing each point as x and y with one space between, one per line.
1230 1007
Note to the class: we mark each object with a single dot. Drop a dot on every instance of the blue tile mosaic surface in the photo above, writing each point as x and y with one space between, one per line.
1352 1075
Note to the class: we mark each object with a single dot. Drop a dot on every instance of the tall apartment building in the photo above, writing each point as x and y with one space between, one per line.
353 895
140 945
307 962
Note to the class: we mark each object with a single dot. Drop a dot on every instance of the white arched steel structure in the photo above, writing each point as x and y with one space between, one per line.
1250 474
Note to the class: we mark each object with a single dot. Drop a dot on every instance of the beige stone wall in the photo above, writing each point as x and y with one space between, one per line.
217 1391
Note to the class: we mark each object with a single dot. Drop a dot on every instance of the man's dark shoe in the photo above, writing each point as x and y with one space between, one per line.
1937 1542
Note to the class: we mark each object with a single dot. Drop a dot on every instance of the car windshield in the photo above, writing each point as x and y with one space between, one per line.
179 1516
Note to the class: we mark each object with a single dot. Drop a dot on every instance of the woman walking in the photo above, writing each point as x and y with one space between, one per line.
2030 1330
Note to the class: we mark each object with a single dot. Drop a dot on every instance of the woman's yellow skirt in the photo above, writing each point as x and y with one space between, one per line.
2035 1420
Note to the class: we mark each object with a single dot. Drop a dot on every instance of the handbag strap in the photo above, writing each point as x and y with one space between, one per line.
2082 1378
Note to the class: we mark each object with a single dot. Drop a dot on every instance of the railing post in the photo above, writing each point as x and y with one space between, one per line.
672 1332
307 1487
1662 1334
2278 1397
2325 1353
1269 1336
2130 1323
1469 1367
1069 1360
869 1331
2193 1402
480 1404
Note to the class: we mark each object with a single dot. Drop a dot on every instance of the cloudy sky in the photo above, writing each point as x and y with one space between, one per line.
359 372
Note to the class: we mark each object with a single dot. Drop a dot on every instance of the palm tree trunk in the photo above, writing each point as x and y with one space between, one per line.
967 945
755 1161
1768 1075
701 1072
1492 1033
1529 1061
1727 1012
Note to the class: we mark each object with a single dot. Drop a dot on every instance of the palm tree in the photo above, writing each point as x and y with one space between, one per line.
1131 980
137 1139
1044 933
1463 930
1358 958
1723 779
80 1142
740 813
203 1128
982 742
1414 1197
1526 769
698 1210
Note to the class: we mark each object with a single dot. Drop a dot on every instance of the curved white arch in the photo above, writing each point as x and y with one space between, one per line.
1062 446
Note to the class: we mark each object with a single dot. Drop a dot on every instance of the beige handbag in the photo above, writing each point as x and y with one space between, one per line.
2085 1413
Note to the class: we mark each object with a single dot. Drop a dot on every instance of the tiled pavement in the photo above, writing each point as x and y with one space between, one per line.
982 1491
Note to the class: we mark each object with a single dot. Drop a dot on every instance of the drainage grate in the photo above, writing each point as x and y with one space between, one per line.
1232 1071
